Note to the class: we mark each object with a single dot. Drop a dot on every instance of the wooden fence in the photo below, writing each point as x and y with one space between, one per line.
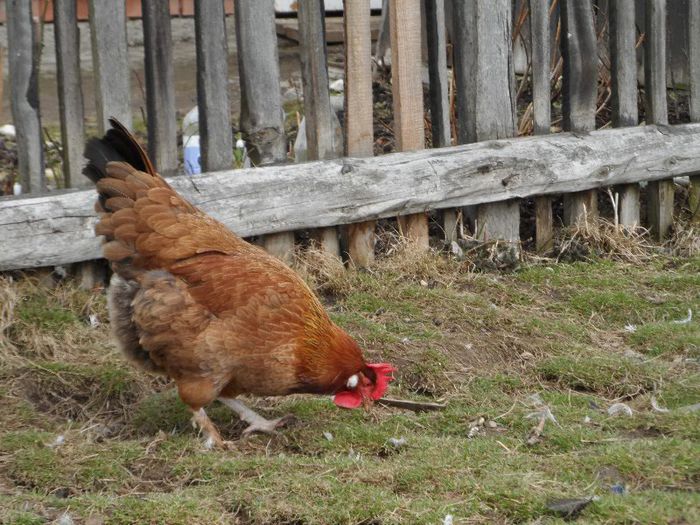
134 8
477 162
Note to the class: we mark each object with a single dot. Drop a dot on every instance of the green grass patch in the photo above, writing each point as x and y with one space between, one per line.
667 338
481 343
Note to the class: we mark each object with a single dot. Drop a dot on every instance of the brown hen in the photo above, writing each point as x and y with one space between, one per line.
192 300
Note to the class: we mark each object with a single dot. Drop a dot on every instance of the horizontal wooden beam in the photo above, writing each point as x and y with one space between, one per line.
57 229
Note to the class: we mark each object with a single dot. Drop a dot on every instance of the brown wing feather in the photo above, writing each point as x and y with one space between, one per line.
163 227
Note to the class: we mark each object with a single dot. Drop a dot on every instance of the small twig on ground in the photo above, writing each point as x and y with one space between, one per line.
416 406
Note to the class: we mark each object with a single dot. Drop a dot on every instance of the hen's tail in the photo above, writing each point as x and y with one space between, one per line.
146 224
118 145
123 174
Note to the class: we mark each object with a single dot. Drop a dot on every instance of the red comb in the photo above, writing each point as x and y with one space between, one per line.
383 371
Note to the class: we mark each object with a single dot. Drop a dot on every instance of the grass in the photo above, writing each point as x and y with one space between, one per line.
482 343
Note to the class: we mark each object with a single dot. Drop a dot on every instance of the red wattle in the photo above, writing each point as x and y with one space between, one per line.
347 399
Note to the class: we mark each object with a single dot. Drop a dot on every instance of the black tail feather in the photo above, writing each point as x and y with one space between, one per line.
117 145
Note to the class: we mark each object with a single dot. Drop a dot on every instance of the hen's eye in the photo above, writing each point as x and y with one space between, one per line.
353 380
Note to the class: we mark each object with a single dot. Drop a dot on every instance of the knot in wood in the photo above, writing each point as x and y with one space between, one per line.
671 161
603 172
510 179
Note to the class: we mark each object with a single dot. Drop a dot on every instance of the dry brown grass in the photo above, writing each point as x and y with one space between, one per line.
323 271
685 240
56 354
597 237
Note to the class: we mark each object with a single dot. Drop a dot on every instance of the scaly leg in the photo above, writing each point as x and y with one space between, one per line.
256 423
212 438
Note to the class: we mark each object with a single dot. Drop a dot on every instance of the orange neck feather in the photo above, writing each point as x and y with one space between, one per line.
327 357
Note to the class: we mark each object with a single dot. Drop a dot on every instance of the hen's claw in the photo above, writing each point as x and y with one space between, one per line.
268 426
256 423
218 444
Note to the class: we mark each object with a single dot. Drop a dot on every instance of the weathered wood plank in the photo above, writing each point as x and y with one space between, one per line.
111 62
694 68
482 86
212 85
261 104
2 77
70 92
70 101
437 71
436 32
383 38
580 88
258 67
407 91
623 70
541 110
343 191
160 85
317 99
659 193
544 224
655 62
541 59
23 53
314 74
359 138
486 91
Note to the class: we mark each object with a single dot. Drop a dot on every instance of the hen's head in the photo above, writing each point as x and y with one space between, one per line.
333 363
365 387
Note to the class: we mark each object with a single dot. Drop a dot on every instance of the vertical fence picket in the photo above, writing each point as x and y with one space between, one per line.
70 101
383 37
317 101
23 54
160 88
436 31
437 71
659 193
359 139
70 92
486 95
261 104
407 89
540 43
580 88
623 69
694 68
111 62
212 85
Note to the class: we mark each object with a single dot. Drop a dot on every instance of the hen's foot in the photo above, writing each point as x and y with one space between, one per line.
212 438
256 423
268 426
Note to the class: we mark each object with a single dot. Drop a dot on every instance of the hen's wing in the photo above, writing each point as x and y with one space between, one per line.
148 225
237 320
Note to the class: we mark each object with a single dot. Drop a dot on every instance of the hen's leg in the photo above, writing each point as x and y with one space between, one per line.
256 423
196 394
212 438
